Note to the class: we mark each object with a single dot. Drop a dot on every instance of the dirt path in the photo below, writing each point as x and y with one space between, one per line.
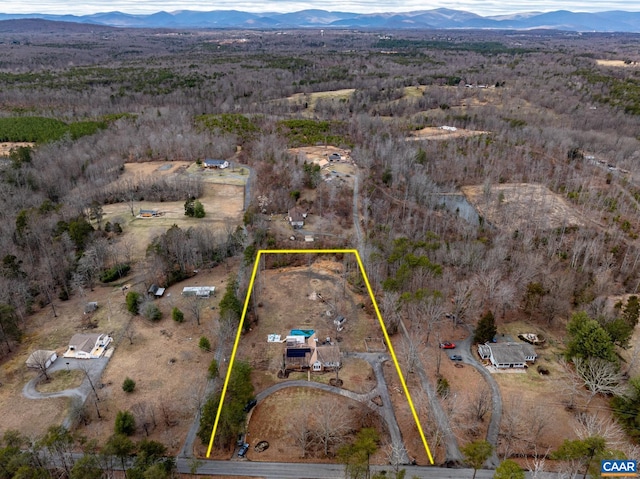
453 456
356 215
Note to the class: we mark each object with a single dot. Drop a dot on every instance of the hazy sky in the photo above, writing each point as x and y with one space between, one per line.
481 7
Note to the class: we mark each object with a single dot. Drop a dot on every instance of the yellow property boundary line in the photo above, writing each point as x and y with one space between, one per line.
375 306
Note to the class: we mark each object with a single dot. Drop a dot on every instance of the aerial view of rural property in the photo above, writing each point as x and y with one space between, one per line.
319 245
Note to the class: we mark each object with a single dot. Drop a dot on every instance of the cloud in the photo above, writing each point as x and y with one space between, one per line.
481 7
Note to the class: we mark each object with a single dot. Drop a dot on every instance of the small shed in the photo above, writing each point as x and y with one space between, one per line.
155 290
90 307
149 213
40 358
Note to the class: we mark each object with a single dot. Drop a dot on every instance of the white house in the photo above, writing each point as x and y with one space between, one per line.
221 164
507 355
198 291
88 346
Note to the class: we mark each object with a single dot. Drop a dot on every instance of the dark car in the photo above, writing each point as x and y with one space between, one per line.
447 345
243 450
455 357
250 405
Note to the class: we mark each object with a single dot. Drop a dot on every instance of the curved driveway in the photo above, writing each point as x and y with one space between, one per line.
496 398
92 367
386 410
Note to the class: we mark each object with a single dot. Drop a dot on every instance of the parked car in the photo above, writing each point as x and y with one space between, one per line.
447 345
243 450
455 357
250 405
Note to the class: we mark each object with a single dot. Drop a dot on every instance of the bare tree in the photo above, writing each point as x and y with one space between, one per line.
195 306
145 416
40 360
537 421
480 404
197 395
84 367
511 426
591 425
301 432
536 463
78 412
331 423
410 353
130 332
599 376
571 385
396 456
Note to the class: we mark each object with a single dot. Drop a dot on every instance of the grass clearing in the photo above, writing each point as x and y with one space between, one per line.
61 380
311 99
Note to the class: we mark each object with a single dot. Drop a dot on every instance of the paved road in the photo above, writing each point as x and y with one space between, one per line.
282 470
464 350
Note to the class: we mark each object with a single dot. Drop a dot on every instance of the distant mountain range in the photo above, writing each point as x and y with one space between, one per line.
441 18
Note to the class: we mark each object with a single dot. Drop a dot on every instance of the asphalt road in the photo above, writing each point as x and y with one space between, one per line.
283 470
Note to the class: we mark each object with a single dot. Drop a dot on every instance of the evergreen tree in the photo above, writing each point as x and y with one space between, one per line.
486 329
125 423
509 469
475 453
588 339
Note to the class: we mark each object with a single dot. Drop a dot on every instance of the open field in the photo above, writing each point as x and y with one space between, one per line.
617 63
5 148
440 133
223 205
275 420
288 302
311 99
513 206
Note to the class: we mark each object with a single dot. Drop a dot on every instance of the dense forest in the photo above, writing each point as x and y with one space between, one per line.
552 109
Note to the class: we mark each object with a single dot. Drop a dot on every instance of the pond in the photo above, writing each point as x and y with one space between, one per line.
458 205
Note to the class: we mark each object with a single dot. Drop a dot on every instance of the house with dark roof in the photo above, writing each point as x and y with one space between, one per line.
508 355
296 217
303 351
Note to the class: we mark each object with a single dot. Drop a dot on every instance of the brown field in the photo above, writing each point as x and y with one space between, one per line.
285 301
512 206
616 63
435 133
6 147
312 98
